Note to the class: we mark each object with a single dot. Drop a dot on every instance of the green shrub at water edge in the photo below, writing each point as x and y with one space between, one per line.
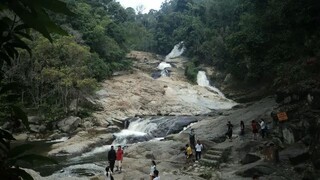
191 72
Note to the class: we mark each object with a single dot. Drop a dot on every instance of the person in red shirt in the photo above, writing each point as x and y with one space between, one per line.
119 158
254 126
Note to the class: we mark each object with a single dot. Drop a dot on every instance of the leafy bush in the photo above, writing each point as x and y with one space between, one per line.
191 72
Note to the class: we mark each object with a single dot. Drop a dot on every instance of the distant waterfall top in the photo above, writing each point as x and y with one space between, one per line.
164 65
176 51
202 80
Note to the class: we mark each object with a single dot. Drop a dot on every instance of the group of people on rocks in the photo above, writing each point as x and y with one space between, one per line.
194 147
191 147
198 147
254 126
116 158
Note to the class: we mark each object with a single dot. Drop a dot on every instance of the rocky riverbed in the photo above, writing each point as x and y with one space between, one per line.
168 107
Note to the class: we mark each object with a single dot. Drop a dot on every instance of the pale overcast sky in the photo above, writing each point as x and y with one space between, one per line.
148 4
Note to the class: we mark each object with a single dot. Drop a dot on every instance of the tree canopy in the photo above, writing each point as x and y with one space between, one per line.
253 40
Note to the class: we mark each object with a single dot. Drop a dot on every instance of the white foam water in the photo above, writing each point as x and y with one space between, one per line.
202 80
177 51
59 140
163 65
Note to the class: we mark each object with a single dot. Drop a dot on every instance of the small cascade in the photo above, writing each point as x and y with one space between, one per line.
164 65
177 51
138 130
145 129
59 140
202 80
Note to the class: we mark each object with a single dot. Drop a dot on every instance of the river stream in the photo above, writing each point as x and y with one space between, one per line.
138 129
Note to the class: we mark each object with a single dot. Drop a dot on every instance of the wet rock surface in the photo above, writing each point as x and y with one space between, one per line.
249 158
138 94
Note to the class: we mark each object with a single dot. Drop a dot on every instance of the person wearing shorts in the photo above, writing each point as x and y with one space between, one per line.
119 158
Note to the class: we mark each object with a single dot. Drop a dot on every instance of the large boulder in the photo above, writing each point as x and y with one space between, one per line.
57 135
80 143
288 136
69 124
34 119
112 129
179 124
296 153
259 170
249 158
37 128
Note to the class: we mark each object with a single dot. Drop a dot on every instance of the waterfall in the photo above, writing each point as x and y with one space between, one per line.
164 65
137 130
176 51
202 80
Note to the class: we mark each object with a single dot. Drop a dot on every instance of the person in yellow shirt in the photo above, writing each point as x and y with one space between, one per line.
188 154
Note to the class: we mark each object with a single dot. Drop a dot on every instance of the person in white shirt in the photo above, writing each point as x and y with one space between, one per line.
156 175
199 148
263 128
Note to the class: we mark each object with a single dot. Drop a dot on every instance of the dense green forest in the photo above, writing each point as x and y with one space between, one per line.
56 71
272 41
256 41
53 54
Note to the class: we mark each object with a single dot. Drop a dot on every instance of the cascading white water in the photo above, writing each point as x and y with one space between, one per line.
164 65
177 51
202 80
138 128
59 140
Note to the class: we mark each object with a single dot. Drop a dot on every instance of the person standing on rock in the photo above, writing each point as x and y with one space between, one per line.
229 131
199 148
119 159
188 154
254 126
242 130
263 128
192 138
152 169
112 158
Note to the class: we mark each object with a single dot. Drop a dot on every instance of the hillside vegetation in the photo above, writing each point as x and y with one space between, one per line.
273 41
